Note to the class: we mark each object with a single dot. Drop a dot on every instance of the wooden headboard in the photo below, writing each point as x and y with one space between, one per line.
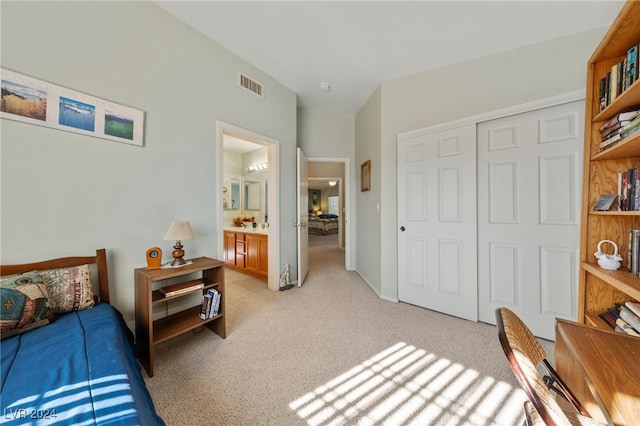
100 260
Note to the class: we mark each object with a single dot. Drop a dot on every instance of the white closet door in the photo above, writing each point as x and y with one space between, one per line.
529 168
437 259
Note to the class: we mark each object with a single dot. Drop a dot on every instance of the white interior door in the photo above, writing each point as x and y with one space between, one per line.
303 218
528 215
437 239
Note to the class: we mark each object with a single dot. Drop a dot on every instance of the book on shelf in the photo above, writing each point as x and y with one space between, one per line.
215 302
630 318
619 78
205 307
630 67
180 288
610 141
623 117
626 327
629 189
633 307
616 128
608 318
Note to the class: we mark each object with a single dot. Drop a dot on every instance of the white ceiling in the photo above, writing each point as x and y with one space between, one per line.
356 45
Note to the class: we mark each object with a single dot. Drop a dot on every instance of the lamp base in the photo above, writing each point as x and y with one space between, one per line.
178 255
178 262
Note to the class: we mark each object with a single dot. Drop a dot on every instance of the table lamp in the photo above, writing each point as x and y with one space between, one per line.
179 231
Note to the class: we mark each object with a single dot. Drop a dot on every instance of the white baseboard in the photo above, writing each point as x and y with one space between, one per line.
388 299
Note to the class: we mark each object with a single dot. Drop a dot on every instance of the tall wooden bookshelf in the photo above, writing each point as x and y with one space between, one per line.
599 288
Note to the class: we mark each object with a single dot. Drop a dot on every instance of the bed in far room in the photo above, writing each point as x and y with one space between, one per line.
323 224
67 357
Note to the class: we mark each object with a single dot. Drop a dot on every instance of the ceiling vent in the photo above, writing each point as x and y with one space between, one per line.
251 85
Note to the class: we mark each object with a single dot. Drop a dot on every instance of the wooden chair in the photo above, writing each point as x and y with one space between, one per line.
525 354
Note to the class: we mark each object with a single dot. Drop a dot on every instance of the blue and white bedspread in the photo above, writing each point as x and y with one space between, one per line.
78 370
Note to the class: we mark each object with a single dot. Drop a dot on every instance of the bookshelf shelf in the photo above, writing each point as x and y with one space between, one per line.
150 332
600 289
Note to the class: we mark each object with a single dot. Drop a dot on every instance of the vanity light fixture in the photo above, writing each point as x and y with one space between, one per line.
259 167
332 183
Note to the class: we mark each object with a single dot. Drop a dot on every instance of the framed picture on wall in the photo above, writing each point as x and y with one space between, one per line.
365 176
33 101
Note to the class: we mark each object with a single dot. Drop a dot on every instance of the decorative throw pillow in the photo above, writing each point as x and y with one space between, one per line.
23 304
69 289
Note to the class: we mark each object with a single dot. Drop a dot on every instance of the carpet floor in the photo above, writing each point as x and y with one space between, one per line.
333 353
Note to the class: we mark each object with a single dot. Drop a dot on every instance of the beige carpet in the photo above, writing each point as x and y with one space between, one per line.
333 353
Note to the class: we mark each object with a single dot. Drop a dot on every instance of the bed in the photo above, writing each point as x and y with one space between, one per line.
69 368
323 224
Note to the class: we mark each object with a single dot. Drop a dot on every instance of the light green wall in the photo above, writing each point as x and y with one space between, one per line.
326 133
68 194
368 219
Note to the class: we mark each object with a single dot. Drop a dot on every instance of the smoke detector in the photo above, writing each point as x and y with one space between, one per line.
325 87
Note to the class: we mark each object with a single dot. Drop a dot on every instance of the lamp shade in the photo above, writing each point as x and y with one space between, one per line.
179 231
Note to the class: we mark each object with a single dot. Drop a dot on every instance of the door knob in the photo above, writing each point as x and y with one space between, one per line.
402 228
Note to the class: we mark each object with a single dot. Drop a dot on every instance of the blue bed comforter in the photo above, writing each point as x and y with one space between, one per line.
79 370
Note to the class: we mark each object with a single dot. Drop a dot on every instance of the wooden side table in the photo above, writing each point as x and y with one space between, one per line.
209 272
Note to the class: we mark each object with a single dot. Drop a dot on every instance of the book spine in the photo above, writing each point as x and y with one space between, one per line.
205 307
603 91
613 87
619 191
629 250
625 190
633 307
630 318
632 58
635 234
636 190
626 327
214 300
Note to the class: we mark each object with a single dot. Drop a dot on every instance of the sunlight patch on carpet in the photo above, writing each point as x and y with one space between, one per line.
405 385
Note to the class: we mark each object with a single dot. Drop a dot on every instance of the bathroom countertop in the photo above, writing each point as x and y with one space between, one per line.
248 229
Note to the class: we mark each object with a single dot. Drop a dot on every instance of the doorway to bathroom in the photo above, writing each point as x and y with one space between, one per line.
247 172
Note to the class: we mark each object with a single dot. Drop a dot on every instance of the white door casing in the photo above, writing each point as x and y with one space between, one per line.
303 217
437 237
528 215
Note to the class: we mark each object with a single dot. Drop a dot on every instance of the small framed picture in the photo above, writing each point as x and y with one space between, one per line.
365 176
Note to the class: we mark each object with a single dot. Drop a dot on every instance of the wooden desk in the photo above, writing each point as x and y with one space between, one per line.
602 367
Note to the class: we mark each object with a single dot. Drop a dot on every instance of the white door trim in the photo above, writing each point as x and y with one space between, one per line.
273 176
347 199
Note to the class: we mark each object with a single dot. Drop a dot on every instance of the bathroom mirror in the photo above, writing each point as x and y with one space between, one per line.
231 194
252 195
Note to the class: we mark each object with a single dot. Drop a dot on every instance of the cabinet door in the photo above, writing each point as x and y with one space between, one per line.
252 253
241 250
263 256
230 248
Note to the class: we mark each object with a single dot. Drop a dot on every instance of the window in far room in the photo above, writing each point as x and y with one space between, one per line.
334 204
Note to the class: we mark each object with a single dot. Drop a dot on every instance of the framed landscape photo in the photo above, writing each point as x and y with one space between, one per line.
365 176
33 101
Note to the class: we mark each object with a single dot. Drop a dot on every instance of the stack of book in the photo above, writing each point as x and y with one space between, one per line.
210 304
622 75
624 318
629 189
619 127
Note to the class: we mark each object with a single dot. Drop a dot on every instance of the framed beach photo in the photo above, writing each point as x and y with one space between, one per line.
365 176
33 101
